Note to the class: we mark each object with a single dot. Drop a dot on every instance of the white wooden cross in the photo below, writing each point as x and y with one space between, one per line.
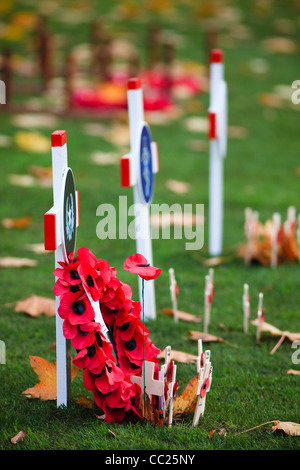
217 115
260 315
60 225
146 381
275 239
290 223
251 223
174 293
246 308
137 170
204 369
208 296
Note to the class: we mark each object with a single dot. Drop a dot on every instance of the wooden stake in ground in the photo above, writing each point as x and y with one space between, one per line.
246 307
138 169
174 293
204 369
275 239
217 115
60 226
251 222
290 223
298 237
208 296
260 315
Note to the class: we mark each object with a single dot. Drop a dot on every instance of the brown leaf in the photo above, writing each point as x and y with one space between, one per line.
206 337
217 260
178 187
36 305
46 371
211 433
17 223
151 414
18 437
11 262
179 356
186 401
183 315
85 402
268 328
293 429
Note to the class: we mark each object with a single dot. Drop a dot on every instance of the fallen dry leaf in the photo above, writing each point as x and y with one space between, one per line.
85 402
217 260
17 223
105 158
293 372
150 413
268 328
179 356
36 305
18 437
179 219
206 337
280 45
32 142
46 371
211 433
37 248
183 315
11 262
178 187
293 429
186 401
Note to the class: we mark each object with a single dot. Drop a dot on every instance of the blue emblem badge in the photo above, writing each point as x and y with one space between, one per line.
146 170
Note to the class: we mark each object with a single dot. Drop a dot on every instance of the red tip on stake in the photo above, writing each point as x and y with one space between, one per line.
50 231
216 56
58 138
134 84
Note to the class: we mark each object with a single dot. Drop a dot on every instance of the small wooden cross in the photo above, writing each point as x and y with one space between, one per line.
246 307
174 293
208 296
147 382
275 239
204 369
260 316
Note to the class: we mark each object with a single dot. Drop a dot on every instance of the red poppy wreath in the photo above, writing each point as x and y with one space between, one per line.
107 365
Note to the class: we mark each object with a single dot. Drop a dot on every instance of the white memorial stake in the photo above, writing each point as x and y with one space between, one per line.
204 369
246 307
217 114
208 296
174 293
290 223
298 237
60 225
275 239
148 384
138 169
260 315
251 221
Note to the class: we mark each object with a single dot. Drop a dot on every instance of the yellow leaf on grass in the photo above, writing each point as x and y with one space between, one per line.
11 262
36 305
17 223
46 371
32 142
186 401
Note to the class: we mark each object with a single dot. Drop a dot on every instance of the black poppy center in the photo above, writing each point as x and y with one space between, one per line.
83 333
130 345
78 307
143 265
90 281
74 274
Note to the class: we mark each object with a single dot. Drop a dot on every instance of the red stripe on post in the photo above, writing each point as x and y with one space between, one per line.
125 171
216 56
134 84
77 202
58 138
50 231
212 122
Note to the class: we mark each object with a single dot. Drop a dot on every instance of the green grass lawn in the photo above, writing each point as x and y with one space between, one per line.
249 386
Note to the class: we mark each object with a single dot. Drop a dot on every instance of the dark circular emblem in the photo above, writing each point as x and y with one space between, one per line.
146 170
69 213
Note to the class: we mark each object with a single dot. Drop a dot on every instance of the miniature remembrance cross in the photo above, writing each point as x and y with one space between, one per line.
246 307
260 315
174 293
204 369
138 169
60 225
217 115
208 296
147 383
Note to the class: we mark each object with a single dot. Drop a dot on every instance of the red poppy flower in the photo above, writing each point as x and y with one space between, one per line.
85 335
204 388
138 264
76 308
94 356
123 295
